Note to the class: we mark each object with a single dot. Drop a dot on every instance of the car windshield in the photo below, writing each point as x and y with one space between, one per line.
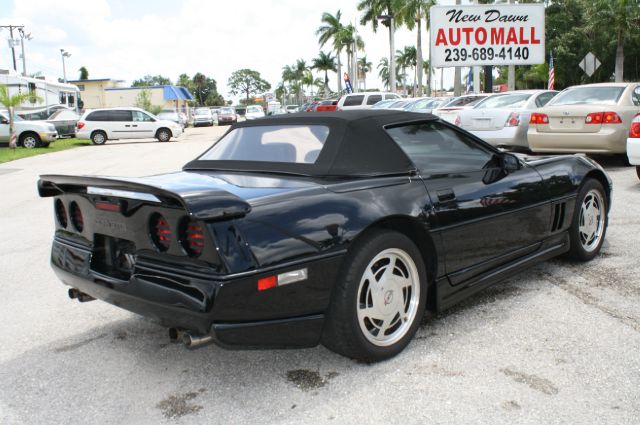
588 95
254 109
383 104
461 101
227 111
203 111
299 144
504 101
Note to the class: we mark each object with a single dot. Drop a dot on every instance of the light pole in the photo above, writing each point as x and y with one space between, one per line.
388 21
24 36
12 42
64 54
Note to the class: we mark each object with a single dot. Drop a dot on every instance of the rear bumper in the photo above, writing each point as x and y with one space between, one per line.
633 151
610 139
231 309
508 136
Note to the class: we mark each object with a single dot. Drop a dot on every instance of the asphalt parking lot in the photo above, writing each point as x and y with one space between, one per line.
556 344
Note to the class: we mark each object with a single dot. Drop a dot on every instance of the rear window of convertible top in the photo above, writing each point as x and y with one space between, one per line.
298 144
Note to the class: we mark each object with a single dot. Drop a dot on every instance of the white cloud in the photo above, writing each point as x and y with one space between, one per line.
128 40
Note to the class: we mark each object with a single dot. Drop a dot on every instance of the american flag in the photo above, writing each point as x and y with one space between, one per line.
469 79
552 73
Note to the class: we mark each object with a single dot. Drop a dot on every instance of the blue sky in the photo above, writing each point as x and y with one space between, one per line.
125 40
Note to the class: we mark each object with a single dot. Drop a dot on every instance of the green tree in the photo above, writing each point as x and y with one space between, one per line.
372 9
364 67
351 42
411 13
383 72
406 58
621 19
84 73
203 86
143 101
332 31
248 82
325 62
151 80
11 102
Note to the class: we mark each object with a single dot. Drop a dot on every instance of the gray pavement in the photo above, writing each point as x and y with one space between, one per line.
556 344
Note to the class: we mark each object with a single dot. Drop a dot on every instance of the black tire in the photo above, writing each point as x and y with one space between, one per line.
45 144
348 333
163 135
638 170
99 137
30 140
589 222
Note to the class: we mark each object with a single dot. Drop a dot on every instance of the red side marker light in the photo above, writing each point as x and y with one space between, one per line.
267 283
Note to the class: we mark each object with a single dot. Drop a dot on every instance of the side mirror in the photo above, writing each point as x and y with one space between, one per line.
510 162
4 121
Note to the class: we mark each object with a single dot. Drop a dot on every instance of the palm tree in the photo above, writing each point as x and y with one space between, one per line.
84 73
410 13
331 31
364 67
350 39
383 71
372 9
325 62
620 17
11 102
406 58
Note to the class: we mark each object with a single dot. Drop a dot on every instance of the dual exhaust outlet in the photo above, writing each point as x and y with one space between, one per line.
175 335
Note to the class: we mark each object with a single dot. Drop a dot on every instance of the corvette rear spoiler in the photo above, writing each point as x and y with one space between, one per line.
201 203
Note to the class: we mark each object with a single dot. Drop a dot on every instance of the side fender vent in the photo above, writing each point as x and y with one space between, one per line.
558 216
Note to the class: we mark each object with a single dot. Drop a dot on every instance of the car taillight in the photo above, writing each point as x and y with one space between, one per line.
160 232
76 216
513 120
603 118
80 124
634 130
192 238
61 213
537 118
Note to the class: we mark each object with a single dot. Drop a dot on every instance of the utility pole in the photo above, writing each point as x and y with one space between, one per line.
24 36
511 70
64 54
12 42
457 87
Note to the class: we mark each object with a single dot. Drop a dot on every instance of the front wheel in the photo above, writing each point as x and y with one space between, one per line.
379 300
589 223
30 141
163 135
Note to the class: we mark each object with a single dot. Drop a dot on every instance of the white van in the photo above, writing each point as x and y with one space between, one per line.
363 100
100 125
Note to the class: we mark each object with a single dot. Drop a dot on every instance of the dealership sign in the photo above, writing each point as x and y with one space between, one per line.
506 34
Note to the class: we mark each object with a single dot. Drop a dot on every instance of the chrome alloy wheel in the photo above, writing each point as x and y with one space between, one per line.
388 297
591 220
30 142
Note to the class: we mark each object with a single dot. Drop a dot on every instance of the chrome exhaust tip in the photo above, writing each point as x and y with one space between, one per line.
195 341
75 294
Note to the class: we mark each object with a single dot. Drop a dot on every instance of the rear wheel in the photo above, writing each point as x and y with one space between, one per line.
163 135
589 223
638 170
379 300
98 137
30 140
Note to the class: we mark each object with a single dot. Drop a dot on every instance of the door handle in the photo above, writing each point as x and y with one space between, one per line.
135 125
127 125
446 195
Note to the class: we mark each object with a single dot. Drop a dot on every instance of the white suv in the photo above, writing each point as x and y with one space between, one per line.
363 100
100 125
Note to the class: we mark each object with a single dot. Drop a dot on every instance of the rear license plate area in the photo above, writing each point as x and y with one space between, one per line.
113 257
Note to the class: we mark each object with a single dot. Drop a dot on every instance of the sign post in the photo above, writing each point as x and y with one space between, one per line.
496 34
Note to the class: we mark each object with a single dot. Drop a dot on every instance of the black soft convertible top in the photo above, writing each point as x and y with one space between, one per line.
357 145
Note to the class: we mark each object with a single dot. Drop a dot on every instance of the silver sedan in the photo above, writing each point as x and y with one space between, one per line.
503 119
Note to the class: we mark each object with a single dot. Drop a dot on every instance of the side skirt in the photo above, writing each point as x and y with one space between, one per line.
449 295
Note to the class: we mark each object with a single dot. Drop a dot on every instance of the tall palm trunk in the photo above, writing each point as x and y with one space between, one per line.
339 73
419 70
620 58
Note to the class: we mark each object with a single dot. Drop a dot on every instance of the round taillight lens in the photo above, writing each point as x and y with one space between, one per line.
76 216
192 237
160 232
61 213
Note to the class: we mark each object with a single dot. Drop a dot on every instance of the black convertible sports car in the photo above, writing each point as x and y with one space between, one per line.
340 228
